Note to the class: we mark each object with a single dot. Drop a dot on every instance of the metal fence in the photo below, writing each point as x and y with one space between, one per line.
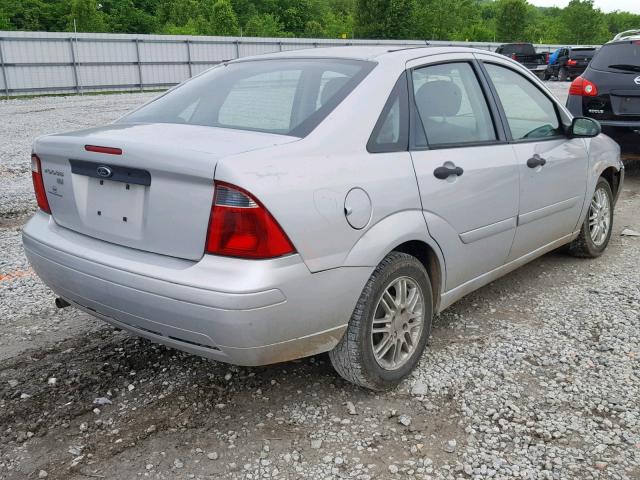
42 62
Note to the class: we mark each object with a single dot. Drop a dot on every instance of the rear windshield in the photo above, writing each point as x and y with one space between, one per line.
582 52
289 97
618 57
518 48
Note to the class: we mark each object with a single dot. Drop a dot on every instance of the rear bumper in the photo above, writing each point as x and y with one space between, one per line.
238 311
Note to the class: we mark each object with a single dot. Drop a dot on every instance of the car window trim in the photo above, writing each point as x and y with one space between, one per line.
400 89
503 115
493 110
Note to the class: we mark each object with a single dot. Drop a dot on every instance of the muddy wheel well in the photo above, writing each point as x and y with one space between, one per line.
429 259
612 176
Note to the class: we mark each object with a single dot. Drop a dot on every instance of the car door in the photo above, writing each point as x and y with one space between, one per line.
466 171
552 167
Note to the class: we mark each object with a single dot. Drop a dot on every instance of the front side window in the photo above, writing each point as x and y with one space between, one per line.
450 105
289 97
530 113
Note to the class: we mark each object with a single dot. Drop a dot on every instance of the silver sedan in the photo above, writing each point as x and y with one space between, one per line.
318 200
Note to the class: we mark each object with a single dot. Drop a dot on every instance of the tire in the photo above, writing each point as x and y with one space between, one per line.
546 76
354 358
563 75
588 245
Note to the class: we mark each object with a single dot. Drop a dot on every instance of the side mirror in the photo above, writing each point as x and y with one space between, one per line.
584 127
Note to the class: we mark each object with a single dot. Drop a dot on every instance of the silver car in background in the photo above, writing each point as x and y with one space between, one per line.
320 200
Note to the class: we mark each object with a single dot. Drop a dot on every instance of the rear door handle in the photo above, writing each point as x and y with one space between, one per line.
445 172
536 161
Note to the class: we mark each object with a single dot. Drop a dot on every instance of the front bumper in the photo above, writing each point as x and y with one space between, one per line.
244 312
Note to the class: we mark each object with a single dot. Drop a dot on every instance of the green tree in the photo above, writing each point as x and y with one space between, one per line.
400 18
583 23
264 25
511 20
370 18
314 29
5 23
223 20
87 16
124 17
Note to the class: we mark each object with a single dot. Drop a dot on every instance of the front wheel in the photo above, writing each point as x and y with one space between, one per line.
596 229
390 325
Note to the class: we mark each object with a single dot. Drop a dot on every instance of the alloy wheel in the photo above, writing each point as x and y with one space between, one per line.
398 320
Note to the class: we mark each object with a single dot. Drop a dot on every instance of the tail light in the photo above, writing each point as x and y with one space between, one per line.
513 56
571 62
38 184
546 57
240 226
583 87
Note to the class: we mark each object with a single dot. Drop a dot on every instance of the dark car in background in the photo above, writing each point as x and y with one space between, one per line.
609 90
526 54
571 62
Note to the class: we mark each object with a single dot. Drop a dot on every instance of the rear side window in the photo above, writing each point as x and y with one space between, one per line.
391 132
289 97
618 57
450 106
530 113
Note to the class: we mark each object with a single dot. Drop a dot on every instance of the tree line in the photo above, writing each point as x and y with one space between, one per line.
470 20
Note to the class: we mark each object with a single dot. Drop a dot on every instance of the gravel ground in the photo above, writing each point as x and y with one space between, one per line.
534 376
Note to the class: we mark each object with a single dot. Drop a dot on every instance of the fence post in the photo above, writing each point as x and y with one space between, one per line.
137 40
188 42
4 72
75 65
237 48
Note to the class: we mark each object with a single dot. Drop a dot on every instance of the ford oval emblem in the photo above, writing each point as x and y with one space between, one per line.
104 171
636 80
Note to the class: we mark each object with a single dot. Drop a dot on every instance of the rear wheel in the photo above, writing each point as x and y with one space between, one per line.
563 75
596 229
546 75
390 325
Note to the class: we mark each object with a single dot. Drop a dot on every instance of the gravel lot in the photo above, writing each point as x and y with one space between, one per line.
534 376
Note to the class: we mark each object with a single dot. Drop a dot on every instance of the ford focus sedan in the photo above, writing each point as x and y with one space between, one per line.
325 200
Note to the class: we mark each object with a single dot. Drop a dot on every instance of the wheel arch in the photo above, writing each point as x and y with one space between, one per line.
405 232
613 176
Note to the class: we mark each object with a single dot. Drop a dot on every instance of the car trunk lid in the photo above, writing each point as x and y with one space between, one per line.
152 191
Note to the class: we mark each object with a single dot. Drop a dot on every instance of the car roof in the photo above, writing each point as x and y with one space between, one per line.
379 53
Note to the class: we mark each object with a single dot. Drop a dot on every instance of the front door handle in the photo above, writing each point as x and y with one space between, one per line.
536 161
445 172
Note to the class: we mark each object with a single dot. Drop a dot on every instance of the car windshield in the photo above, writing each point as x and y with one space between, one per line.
613 56
283 96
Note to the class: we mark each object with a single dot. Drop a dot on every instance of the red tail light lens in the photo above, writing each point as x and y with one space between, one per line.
513 56
240 226
38 184
546 57
571 62
583 87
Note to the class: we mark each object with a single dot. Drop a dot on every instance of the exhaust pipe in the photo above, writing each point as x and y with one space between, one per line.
61 303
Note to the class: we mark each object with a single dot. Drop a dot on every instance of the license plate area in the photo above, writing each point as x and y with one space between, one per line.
625 105
115 207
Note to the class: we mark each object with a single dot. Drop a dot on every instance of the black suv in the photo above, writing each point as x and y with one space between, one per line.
609 90
571 62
